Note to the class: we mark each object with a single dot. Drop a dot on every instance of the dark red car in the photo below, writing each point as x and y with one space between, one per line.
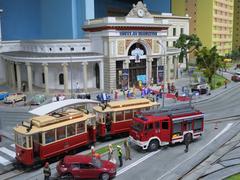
85 167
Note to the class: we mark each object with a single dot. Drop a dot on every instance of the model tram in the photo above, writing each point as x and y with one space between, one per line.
54 131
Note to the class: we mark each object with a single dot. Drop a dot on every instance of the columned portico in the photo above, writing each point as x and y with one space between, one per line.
19 79
29 76
45 69
65 77
85 78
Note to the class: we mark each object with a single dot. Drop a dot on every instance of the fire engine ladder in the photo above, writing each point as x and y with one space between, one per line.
173 113
170 109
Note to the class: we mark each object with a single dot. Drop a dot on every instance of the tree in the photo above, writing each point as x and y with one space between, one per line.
187 44
209 61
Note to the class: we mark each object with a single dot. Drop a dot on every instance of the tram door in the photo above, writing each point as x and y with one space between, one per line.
36 145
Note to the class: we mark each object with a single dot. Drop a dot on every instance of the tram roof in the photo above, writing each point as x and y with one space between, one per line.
51 107
126 105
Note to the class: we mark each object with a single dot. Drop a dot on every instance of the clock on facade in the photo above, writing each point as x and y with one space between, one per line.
140 12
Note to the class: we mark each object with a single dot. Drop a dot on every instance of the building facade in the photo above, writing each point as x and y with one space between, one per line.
114 53
236 24
211 21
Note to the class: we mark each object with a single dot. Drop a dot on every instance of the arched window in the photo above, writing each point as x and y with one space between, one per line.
61 79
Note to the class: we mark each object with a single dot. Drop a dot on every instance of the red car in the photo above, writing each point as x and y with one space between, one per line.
85 167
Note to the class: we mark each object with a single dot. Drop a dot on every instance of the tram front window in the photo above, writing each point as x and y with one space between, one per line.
21 140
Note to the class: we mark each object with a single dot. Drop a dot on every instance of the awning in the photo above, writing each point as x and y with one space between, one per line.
51 107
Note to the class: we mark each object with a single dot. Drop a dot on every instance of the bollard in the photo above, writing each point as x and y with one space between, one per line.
216 125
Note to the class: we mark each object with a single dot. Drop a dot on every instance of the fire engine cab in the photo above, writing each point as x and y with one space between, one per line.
152 129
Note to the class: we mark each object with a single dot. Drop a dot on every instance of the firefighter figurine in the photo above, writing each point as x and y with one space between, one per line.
119 151
46 171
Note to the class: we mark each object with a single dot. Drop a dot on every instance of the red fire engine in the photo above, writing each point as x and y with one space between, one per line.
158 128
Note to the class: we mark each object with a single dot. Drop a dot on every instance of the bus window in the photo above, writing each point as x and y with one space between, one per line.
61 133
119 116
128 114
80 127
177 128
164 125
71 130
198 124
50 136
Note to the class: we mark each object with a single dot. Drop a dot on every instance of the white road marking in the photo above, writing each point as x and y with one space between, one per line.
8 152
183 162
137 162
13 145
4 161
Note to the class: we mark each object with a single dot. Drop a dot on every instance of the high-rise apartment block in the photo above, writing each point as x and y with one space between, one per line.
236 24
211 21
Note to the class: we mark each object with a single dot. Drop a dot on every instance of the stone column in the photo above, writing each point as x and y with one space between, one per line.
7 72
65 77
19 79
85 82
175 67
45 69
101 75
165 71
126 66
29 74
169 68
149 70
13 78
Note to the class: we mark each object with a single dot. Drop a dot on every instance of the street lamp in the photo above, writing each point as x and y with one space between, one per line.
164 63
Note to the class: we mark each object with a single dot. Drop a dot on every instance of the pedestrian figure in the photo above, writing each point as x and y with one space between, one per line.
77 88
168 87
57 97
23 87
110 152
119 151
116 95
92 151
187 140
108 122
127 150
46 171
176 95
181 72
172 88
225 83
13 103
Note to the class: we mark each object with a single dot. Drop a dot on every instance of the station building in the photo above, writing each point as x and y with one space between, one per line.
114 53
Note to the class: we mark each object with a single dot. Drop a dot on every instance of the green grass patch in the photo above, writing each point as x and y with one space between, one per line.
217 81
104 149
234 177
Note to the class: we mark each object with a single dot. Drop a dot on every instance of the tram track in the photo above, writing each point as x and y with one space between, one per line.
16 172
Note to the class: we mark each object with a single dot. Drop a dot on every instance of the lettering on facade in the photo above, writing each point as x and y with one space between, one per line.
138 33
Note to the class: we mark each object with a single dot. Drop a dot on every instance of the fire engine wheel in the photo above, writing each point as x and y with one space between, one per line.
153 146
104 176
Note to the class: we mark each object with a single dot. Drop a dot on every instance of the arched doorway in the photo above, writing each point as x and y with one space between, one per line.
97 75
137 65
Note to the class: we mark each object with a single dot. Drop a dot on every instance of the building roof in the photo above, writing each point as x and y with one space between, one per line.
49 55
